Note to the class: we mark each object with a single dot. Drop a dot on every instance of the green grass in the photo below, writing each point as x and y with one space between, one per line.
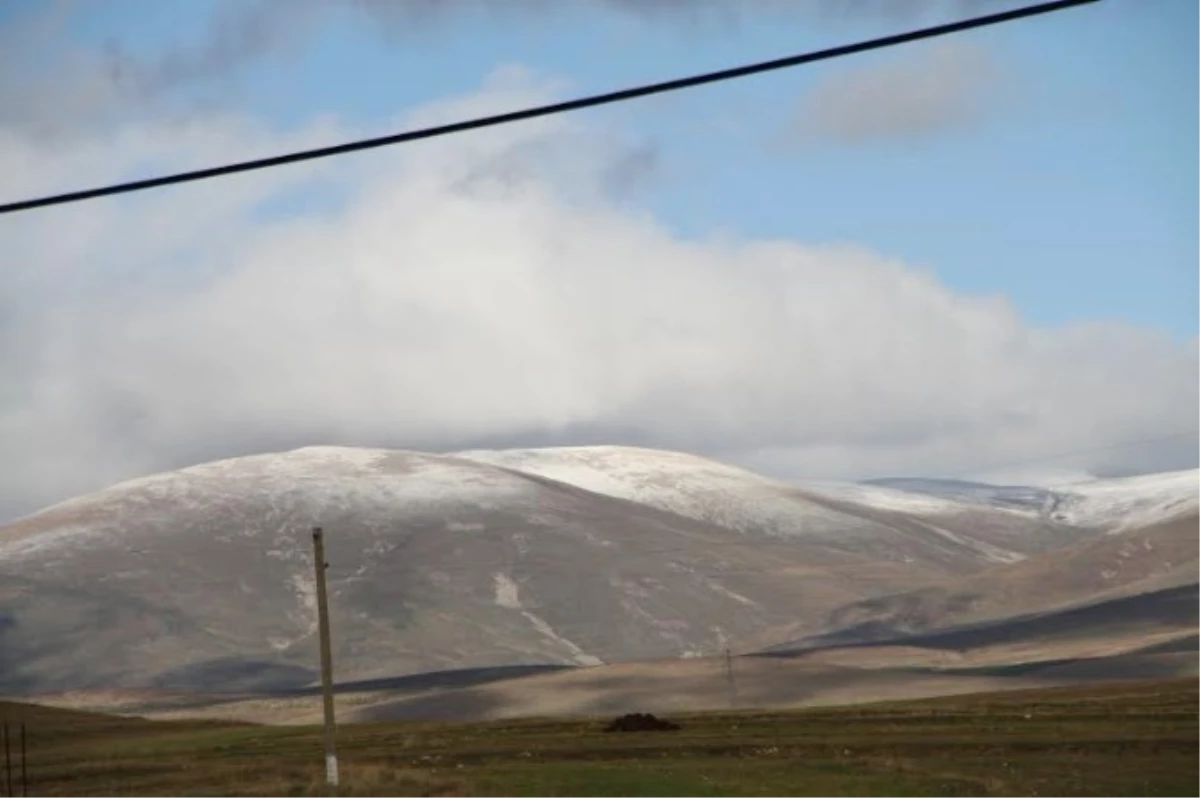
1125 739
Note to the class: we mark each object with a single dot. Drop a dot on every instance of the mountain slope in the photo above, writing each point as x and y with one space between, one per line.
202 578
679 483
815 513
1109 504
1015 496
1131 502
1110 625
1137 561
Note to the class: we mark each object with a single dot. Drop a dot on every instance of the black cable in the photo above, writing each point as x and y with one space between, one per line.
547 110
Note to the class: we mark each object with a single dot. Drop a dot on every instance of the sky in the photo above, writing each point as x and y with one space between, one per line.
973 256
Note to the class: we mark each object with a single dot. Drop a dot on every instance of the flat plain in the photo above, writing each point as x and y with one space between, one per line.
1129 738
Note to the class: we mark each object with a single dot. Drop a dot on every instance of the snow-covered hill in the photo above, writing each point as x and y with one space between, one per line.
700 488
1119 504
1019 497
685 484
706 490
841 514
201 577
1109 504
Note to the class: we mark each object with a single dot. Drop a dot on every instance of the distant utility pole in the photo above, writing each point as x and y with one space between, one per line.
319 563
729 679
7 762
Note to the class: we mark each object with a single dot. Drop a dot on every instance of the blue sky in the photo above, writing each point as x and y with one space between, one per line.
980 250
1076 199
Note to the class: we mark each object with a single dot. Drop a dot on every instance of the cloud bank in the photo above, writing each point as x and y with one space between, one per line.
485 289
50 88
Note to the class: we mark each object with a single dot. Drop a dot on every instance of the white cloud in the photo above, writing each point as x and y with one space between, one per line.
470 290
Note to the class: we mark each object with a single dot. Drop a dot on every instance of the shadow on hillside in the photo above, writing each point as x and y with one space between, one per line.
1170 607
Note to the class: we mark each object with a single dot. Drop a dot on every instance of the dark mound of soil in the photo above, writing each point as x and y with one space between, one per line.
637 721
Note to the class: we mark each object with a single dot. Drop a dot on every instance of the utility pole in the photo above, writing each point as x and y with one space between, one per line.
729 679
7 762
319 563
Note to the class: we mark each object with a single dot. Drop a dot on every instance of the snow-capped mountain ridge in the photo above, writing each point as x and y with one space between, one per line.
676 482
1113 504
1020 497
685 483
1139 500
477 559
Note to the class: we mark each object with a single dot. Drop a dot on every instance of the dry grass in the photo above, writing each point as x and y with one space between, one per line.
1125 739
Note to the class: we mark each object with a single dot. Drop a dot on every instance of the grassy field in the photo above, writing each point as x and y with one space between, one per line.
1126 739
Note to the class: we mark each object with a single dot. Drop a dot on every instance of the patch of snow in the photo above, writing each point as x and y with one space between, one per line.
993 553
508 595
46 542
305 587
738 597
1023 496
884 498
578 654
997 554
1122 504
372 481
683 484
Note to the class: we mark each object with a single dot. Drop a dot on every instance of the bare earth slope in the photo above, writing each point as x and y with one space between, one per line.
760 682
1145 636
1136 561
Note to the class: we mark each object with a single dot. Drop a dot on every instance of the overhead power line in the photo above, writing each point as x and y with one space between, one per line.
548 110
